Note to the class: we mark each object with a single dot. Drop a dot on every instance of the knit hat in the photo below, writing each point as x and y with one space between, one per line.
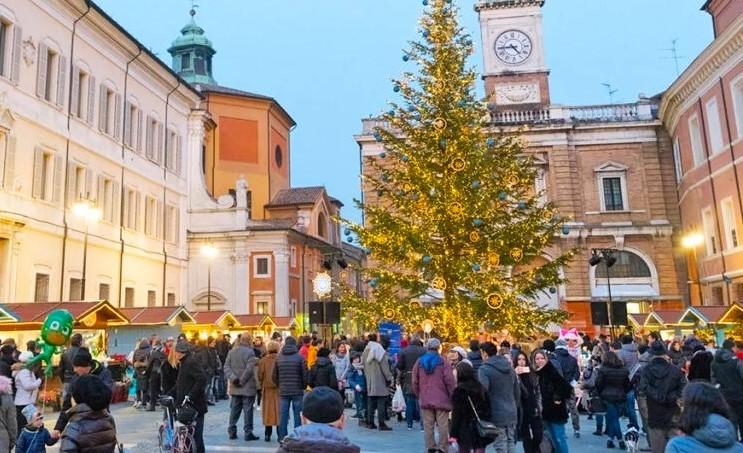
549 345
322 405
433 344
460 350
82 358
182 346
90 389
29 412
25 356
561 343
658 349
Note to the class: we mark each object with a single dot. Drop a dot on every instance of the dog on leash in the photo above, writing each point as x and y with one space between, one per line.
632 440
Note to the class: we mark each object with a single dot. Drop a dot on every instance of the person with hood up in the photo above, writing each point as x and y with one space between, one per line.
8 419
555 391
27 387
239 369
322 373
378 376
727 373
571 373
474 355
503 388
662 383
433 384
290 376
141 362
705 423
405 363
322 426
91 427
469 396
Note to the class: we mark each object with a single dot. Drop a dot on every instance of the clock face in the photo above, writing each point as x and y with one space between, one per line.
513 47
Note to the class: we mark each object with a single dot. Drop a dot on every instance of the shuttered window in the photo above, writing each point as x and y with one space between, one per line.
129 297
51 75
151 298
41 292
104 291
80 92
48 176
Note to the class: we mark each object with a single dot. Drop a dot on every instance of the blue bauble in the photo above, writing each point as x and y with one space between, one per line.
442 143
462 103
391 113
425 2
553 290
475 184
382 154
347 232
491 142
349 239
404 158
411 108
522 205
477 222
396 88
426 259
405 58
378 136
373 282
425 33
502 196
565 230
476 267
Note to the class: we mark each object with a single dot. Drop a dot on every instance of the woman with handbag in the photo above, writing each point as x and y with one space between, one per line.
531 427
592 402
470 406
612 384
555 392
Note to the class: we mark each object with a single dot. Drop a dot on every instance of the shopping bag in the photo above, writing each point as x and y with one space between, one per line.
398 401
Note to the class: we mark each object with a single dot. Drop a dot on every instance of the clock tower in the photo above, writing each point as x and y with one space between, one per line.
513 51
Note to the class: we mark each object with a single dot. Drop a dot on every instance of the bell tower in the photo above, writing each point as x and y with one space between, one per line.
192 54
515 72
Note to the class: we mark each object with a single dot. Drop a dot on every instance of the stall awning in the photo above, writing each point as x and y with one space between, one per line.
638 319
155 316
221 318
733 315
88 315
254 320
703 315
285 322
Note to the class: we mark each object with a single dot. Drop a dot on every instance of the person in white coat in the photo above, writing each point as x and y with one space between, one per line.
26 387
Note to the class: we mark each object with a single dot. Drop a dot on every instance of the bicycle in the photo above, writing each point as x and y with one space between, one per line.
174 436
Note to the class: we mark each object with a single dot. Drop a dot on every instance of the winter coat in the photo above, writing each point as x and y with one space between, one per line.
290 372
191 382
476 359
629 355
212 360
34 441
157 358
555 392
676 357
64 416
311 356
316 438
377 369
662 384
503 388
718 435
89 431
341 363
612 384
8 417
531 395
405 363
168 379
356 377
240 367
433 382
322 373
463 425
269 390
66 370
568 365
27 387
700 366
141 358
727 371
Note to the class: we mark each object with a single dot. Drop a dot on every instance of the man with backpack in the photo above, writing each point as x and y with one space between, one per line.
141 362
661 383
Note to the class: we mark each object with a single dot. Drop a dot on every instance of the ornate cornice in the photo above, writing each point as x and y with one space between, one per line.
502 4
721 51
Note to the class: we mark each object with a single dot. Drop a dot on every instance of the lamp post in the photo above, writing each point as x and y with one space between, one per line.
90 215
607 257
692 241
209 252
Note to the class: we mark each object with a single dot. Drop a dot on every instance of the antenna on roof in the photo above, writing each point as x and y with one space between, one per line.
611 92
674 55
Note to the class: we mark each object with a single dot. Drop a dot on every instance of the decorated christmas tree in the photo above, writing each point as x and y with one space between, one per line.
454 224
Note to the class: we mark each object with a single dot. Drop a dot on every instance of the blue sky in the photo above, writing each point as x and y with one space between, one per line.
329 62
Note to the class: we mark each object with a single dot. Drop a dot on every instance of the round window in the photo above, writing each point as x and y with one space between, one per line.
279 155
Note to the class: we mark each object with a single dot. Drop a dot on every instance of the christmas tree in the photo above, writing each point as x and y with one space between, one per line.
456 225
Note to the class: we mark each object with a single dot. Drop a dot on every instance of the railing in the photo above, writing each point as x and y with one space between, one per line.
611 112
369 124
520 116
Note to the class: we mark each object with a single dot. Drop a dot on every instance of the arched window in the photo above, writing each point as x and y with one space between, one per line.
628 265
631 276
321 225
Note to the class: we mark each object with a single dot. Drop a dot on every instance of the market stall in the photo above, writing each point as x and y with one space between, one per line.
147 321
717 318
211 324
257 325
666 322
287 325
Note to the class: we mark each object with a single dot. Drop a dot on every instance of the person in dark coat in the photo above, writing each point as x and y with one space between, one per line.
141 361
169 373
240 368
571 373
504 391
322 372
154 377
405 363
469 392
661 383
727 373
700 365
91 428
612 385
190 387
555 391
531 428
290 375
66 371
33 437
474 355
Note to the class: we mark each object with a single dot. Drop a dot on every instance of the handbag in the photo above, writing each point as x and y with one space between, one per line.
596 405
485 429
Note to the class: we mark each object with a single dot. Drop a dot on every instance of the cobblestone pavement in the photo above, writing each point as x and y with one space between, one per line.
138 431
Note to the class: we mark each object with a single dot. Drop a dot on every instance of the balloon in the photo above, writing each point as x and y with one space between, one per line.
55 332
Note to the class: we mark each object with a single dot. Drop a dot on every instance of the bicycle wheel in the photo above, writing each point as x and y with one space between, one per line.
161 440
183 441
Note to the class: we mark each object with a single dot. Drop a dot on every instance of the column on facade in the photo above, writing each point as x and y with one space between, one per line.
281 289
239 301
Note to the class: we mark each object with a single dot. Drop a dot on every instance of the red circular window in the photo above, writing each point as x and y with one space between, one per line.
279 156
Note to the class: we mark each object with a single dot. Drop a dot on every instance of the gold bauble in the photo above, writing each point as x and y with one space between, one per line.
494 259
494 301
456 210
438 283
458 164
474 236
389 313
517 254
344 275
439 124
512 180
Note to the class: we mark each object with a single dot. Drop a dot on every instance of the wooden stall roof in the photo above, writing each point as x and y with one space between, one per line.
638 319
710 314
153 316
86 314
215 317
285 322
254 320
666 317
733 315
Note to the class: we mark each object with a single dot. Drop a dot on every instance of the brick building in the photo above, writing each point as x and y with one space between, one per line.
608 168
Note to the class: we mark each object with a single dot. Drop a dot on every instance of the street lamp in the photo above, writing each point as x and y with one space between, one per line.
209 252
692 241
90 215
607 257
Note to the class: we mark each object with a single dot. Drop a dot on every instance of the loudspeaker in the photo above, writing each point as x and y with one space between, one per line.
332 312
316 312
619 313
599 314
